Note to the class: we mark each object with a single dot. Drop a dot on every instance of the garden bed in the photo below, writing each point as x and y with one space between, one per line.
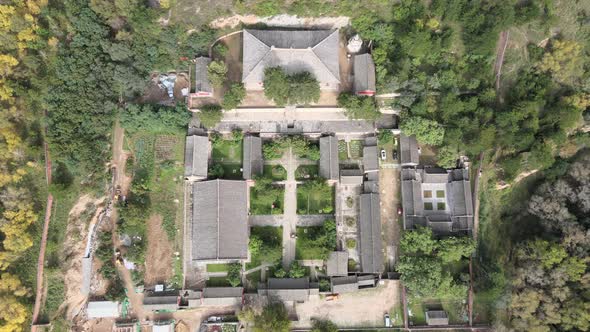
307 172
315 197
267 201
271 246
316 242
275 172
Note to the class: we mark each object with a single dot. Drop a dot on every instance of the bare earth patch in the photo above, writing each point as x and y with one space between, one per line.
159 257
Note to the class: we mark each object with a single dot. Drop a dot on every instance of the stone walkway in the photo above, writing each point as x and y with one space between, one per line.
290 211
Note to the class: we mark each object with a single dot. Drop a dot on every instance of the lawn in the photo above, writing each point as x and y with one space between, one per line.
342 150
356 149
218 282
307 172
456 310
315 198
275 172
217 267
316 242
227 151
267 201
271 249
396 313
418 312
232 171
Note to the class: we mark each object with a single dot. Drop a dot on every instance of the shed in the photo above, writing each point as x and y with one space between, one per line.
253 162
337 264
364 75
164 301
409 150
163 327
351 177
370 159
341 285
102 309
287 289
220 221
371 253
203 87
196 157
436 318
329 158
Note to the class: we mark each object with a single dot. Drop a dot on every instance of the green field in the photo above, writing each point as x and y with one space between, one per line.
227 151
217 267
315 199
267 202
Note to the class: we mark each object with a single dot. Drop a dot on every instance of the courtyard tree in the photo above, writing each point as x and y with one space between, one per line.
297 89
358 107
217 71
234 96
296 270
274 317
418 240
234 274
427 131
210 115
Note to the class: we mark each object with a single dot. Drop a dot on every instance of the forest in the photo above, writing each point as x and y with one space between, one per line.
70 69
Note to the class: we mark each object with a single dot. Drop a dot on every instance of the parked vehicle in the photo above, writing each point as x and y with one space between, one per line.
399 211
394 154
387 321
383 155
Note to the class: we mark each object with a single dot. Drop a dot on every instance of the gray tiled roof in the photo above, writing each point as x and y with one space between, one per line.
409 150
436 317
162 302
196 157
371 254
102 309
329 157
220 220
314 51
364 73
252 157
458 215
350 177
337 264
287 289
222 296
370 159
202 82
341 285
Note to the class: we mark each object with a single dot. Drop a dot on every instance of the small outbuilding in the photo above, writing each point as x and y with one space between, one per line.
203 87
437 318
409 150
222 296
329 158
196 157
253 162
370 159
103 309
371 253
337 264
351 177
364 75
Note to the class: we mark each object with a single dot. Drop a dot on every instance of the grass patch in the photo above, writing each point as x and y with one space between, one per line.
266 198
396 313
253 279
227 151
271 245
217 267
218 282
315 197
316 242
342 150
418 311
232 171
307 172
275 172
356 149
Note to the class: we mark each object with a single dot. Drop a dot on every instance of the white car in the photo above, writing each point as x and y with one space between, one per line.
383 155
387 321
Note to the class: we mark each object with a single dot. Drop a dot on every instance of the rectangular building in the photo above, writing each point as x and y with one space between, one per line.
253 163
329 158
371 252
196 157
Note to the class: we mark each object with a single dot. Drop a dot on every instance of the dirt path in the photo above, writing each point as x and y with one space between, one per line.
159 261
389 187
500 50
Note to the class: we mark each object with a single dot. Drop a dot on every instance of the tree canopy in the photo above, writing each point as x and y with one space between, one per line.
274 317
358 107
296 89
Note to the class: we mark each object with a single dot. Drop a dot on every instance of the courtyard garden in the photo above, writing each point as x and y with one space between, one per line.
266 197
315 197
316 242
307 172
226 156
266 245
275 172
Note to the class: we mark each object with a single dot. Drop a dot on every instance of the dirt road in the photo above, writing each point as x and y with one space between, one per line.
500 50
389 189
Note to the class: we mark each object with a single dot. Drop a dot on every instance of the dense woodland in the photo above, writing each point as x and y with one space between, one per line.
86 63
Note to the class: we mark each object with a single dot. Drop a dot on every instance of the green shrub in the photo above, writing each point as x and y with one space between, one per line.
210 115
234 96
351 243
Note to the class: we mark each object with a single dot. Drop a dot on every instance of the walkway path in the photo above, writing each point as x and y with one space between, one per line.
290 211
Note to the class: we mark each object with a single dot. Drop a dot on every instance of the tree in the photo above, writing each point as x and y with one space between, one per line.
564 60
358 107
296 89
447 157
274 317
234 96
210 115
323 326
234 274
296 270
385 136
453 249
255 244
217 71
418 240
216 171
427 131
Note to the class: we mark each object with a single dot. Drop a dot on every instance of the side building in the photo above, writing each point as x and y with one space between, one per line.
252 161
196 158
370 247
219 225
329 166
